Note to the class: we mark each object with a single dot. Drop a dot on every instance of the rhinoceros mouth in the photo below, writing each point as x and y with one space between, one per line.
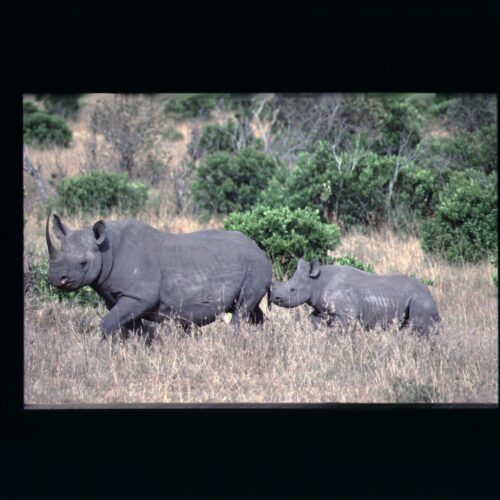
68 285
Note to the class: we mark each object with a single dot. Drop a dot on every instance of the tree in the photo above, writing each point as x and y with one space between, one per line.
131 126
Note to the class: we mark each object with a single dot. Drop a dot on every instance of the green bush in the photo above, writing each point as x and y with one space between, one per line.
100 192
471 112
65 105
36 281
219 138
29 108
345 189
477 150
464 226
42 129
400 126
228 182
419 188
200 105
286 235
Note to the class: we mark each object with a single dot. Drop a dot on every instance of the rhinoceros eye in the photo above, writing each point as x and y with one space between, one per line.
83 264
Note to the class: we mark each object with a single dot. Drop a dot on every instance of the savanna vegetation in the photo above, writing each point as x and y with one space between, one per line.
386 183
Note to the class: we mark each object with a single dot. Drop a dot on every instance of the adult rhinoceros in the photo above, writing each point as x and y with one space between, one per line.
342 292
144 273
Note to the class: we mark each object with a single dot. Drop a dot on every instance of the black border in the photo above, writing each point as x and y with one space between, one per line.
352 445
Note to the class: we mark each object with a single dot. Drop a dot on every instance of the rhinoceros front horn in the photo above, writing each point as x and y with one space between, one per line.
53 252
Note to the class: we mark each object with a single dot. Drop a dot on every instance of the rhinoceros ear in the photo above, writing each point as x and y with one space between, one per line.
99 230
60 229
315 269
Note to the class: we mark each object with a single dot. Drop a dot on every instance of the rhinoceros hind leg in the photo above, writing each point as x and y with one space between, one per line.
256 317
423 317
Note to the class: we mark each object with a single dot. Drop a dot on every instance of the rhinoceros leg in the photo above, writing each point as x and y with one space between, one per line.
315 318
125 312
256 317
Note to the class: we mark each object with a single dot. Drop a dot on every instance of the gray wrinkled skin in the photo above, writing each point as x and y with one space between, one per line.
144 273
339 293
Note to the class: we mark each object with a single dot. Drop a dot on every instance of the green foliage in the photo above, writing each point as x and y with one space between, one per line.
352 190
227 182
464 226
200 105
409 391
418 189
277 191
100 192
217 137
286 235
65 105
29 107
42 129
231 137
401 126
477 150
352 261
36 280
472 112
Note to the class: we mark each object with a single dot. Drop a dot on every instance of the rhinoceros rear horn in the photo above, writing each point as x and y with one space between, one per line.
53 252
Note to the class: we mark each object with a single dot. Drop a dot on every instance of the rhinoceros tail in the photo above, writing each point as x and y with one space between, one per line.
269 303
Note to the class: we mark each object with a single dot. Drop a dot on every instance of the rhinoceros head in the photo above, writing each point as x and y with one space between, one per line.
298 289
79 260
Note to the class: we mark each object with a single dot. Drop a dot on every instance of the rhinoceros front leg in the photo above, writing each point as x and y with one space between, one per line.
126 313
315 319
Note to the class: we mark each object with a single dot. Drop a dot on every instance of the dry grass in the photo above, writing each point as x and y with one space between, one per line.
285 361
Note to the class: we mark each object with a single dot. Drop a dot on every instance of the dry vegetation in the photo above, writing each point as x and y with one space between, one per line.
285 361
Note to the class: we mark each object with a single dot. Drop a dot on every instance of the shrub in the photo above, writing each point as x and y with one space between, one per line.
347 189
219 138
36 280
42 129
228 182
231 136
65 105
419 189
476 150
473 111
401 126
286 234
99 191
464 227
29 107
200 105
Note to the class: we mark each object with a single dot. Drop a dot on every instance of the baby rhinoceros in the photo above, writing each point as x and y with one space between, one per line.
339 293
145 273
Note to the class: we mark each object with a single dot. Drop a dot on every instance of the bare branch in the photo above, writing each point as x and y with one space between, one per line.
36 173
